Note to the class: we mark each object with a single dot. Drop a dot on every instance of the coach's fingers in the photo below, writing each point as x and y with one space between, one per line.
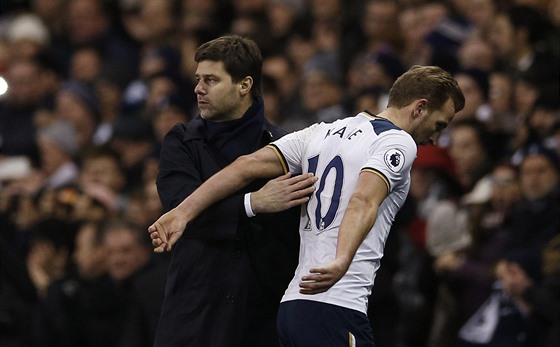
301 182
283 177
160 248
156 230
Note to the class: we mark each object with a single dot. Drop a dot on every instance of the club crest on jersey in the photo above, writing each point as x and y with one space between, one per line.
394 158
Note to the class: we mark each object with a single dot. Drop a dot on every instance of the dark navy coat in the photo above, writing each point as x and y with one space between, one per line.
227 271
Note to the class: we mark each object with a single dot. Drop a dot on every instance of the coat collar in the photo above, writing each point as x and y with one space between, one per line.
195 129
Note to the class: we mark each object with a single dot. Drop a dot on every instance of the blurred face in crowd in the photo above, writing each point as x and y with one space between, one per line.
537 176
89 255
554 12
126 254
544 121
318 91
47 9
219 98
421 180
474 97
85 65
150 20
22 80
500 93
165 119
281 16
481 12
104 171
152 204
158 89
367 101
70 108
466 150
502 36
326 9
505 187
248 6
52 155
525 96
380 18
476 53
86 21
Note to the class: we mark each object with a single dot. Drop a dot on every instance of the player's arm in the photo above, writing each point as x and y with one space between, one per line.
357 221
260 164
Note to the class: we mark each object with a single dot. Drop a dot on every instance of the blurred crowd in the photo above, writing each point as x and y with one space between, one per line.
88 89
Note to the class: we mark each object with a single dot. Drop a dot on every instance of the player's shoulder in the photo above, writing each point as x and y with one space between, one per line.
381 125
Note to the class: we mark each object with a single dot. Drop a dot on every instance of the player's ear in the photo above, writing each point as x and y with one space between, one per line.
245 85
420 108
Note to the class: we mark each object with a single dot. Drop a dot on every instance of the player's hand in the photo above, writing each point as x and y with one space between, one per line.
321 279
283 193
166 230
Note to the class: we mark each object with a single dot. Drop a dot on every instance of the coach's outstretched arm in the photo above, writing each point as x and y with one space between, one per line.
260 164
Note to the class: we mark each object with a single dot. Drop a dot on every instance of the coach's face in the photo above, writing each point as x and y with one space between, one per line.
430 123
218 97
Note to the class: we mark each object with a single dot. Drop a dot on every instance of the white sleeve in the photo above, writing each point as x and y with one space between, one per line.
291 148
392 156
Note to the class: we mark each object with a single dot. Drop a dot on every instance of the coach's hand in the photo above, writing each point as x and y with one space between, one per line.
166 230
283 193
321 279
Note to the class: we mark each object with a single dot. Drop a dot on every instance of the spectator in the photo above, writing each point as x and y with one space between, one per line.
58 146
536 217
17 130
379 25
471 150
85 65
133 140
27 36
474 83
78 104
482 14
89 23
152 23
320 93
102 178
85 308
141 278
476 53
50 247
543 122
18 294
517 35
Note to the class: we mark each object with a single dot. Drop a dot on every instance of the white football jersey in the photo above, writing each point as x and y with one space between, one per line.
336 153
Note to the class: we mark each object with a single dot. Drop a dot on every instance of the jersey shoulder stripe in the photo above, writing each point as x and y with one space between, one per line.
280 156
381 125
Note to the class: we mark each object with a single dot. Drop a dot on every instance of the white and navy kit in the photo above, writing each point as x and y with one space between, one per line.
336 153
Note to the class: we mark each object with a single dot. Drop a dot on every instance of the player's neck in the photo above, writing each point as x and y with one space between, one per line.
399 117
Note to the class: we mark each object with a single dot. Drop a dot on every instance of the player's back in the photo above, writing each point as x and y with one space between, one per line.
336 153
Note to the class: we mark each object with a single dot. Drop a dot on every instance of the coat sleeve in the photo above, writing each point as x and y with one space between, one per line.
182 169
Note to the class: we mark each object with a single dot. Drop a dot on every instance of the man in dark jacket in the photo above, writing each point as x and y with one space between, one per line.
229 271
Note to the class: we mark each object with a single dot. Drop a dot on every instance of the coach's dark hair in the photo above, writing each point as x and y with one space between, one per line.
426 82
241 58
